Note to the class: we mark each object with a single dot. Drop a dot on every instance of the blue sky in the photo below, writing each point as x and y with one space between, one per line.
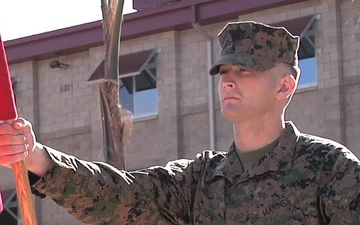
21 18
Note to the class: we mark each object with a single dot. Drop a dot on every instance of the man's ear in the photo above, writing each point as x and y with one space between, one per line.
286 87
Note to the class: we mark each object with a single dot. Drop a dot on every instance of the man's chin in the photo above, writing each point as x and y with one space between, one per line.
230 115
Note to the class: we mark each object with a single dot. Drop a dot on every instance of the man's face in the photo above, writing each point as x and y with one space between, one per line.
246 95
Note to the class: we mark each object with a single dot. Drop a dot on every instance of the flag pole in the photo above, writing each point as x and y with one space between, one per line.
25 198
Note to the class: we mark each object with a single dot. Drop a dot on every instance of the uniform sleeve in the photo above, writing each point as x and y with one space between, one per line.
340 194
98 193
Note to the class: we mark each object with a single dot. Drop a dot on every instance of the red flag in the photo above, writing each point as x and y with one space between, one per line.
7 100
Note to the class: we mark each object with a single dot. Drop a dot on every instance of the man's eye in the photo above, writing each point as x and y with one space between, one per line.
244 70
222 72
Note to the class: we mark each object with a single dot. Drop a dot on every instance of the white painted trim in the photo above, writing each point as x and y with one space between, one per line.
145 117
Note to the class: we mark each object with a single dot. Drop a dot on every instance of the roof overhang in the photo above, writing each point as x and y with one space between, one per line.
129 65
177 16
8 195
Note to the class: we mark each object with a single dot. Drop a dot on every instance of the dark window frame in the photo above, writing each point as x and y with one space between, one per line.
147 76
308 51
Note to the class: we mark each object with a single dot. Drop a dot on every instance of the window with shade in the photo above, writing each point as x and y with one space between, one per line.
138 92
304 27
307 56
137 82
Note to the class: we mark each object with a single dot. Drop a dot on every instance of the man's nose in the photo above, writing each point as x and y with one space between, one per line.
228 84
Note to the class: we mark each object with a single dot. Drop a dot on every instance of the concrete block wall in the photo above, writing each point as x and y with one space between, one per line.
26 90
51 214
349 14
156 138
193 102
194 92
65 98
96 55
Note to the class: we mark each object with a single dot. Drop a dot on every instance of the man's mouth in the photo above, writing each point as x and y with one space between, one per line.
230 98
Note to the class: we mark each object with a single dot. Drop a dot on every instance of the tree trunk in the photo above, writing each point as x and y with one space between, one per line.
115 119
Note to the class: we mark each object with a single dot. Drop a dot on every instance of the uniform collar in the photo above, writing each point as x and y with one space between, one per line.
279 159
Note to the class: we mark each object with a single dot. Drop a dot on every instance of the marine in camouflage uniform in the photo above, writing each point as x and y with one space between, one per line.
297 179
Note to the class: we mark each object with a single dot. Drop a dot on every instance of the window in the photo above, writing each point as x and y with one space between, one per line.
14 81
304 27
11 214
138 82
138 92
307 56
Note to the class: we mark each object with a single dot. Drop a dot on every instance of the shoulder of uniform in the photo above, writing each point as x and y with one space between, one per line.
324 148
326 143
339 169
201 158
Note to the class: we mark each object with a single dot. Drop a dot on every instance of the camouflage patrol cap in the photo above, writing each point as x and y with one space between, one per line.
256 46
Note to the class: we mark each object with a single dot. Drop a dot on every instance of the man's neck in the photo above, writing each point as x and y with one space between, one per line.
251 136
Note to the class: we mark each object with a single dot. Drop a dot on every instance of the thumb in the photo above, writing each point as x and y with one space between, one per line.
21 124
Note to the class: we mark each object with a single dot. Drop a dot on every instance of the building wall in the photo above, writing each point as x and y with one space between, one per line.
70 120
350 45
165 125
